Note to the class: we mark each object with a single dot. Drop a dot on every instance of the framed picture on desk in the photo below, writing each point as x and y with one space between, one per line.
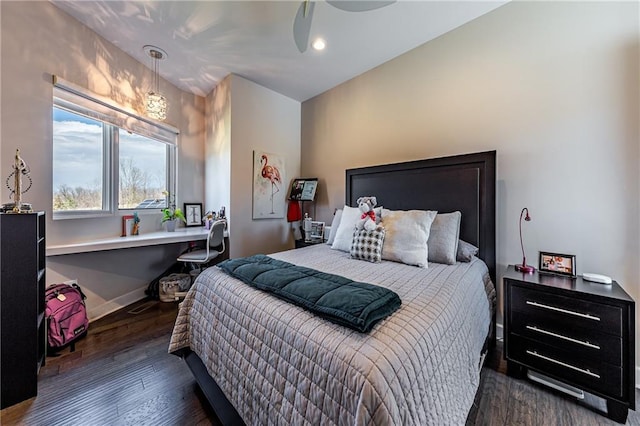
193 214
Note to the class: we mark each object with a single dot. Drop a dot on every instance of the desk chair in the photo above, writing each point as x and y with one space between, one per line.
215 239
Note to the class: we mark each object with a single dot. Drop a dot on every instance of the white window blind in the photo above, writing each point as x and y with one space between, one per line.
71 96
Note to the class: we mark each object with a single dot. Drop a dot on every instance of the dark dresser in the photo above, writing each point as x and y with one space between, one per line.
22 322
574 331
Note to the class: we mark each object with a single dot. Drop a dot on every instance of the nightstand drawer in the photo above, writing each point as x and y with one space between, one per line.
589 344
570 312
588 374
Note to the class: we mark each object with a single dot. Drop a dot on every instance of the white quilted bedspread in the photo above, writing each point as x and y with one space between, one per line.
280 365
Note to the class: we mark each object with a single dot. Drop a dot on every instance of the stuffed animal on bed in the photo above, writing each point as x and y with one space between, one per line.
368 219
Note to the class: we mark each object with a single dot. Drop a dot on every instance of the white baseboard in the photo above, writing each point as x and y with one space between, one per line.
113 305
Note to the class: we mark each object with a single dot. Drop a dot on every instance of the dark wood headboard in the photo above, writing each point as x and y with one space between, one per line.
466 183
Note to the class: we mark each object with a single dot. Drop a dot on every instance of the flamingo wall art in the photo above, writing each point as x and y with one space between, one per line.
269 187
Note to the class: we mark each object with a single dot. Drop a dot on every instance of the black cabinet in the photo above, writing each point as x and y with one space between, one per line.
22 319
575 331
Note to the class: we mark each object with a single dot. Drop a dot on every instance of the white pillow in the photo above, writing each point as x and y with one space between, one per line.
344 233
406 236
334 226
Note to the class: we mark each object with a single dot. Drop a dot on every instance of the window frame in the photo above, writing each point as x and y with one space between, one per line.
69 97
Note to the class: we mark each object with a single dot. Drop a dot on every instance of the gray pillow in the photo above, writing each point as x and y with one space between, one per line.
334 226
466 251
367 245
443 238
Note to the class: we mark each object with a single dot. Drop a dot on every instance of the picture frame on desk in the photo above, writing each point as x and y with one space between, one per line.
127 225
193 214
557 264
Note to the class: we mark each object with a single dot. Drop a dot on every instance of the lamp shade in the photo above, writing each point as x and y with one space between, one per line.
156 106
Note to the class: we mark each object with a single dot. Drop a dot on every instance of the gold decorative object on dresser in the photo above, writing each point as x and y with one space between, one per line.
575 332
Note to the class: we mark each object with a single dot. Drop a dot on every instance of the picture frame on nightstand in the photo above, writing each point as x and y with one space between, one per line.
557 264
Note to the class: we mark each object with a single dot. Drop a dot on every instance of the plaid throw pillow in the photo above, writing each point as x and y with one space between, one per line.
367 245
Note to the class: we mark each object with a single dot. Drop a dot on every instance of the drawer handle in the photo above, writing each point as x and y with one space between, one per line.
560 336
534 353
564 311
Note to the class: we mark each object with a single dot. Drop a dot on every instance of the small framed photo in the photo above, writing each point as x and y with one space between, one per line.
193 214
127 225
317 231
557 263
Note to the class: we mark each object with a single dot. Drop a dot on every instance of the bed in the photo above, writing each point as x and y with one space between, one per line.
260 360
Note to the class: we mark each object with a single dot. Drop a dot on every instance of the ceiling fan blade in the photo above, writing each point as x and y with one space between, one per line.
359 5
302 25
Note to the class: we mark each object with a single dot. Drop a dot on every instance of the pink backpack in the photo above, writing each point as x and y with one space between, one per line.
67 315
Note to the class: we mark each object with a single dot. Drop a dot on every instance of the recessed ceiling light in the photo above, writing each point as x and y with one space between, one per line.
318 44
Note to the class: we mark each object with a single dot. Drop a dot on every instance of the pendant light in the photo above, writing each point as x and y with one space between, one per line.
156 104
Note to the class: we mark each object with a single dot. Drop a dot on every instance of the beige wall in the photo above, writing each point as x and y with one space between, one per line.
218 147
262 120
243 116
39 40
552 86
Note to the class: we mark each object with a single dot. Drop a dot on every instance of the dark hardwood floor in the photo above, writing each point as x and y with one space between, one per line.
121 374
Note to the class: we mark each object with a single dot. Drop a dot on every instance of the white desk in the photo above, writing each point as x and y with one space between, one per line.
181 235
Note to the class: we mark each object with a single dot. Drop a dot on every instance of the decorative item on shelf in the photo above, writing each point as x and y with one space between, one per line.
524 267
556 263
136 224
127 225
156 103
208 219
20 169
306 227
171 214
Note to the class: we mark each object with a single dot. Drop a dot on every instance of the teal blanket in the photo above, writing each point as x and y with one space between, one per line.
340 300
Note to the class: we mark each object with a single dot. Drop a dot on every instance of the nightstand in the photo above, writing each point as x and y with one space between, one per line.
574 331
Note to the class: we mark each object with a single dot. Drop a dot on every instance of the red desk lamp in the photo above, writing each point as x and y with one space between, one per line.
524 267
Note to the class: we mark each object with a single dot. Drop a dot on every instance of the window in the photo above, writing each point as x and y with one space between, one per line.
78 157
143 171
105 159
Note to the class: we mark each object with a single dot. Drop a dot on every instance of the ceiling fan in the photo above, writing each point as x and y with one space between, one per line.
302 22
